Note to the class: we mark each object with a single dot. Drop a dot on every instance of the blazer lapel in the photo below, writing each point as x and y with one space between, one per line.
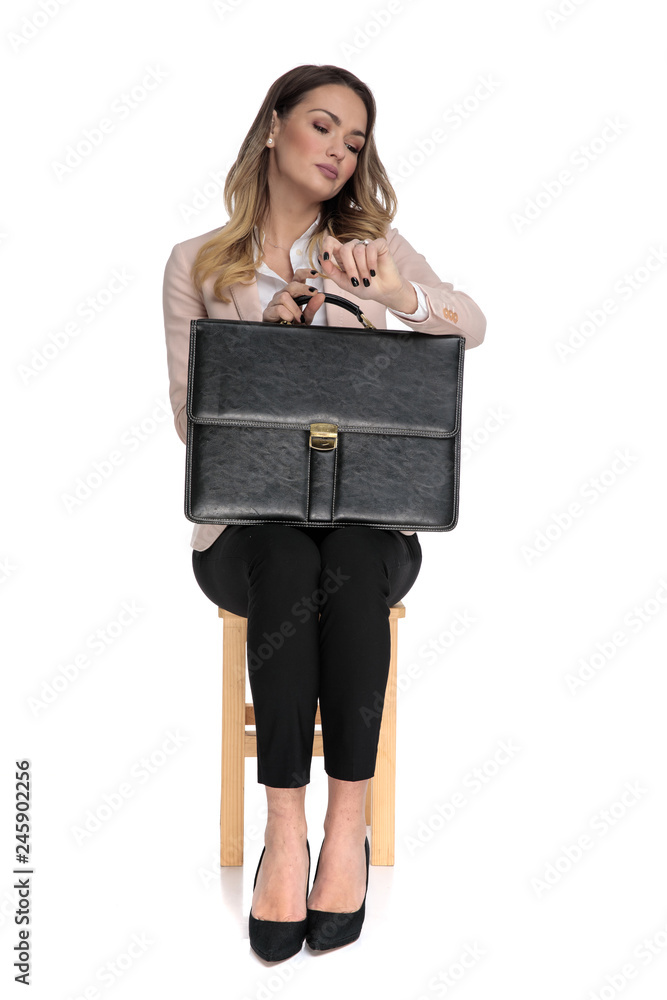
246 301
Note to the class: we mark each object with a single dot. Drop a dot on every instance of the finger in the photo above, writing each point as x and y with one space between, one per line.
276 314
296 289
305 274
287 303
283 314
311 307
351 261
380 248
358 271
300 288
332 263
360 254
372 251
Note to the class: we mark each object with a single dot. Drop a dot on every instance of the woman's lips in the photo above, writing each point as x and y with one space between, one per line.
327 172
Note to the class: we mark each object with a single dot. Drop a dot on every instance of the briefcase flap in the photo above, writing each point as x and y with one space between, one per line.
373 381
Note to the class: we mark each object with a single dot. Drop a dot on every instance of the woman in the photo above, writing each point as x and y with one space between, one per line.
310 207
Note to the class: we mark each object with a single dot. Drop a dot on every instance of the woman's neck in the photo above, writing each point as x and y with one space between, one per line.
283 229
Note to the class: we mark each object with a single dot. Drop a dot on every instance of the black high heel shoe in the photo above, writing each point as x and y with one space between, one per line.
331 930
276 940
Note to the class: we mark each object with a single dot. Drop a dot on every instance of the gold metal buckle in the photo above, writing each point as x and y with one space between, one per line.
323 437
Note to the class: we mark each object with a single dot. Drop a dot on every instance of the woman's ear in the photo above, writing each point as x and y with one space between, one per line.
274 127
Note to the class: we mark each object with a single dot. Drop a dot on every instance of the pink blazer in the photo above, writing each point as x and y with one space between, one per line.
449 311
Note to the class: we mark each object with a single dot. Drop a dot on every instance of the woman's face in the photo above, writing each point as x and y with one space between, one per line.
313 136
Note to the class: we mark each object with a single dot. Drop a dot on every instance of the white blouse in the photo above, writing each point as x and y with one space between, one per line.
268 282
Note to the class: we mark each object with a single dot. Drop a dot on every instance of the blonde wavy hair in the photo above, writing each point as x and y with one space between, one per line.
362 209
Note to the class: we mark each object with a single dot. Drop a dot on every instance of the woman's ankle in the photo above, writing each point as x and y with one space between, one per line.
286 814
279 831
346 809
345 826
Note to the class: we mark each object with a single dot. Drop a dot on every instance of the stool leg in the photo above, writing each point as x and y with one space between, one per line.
384 780
233 742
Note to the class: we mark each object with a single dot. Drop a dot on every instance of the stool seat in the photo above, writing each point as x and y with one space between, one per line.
239 742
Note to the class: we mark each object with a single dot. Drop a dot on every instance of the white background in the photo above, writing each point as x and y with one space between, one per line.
471 882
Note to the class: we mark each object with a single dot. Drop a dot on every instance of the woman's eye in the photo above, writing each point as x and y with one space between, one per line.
320 128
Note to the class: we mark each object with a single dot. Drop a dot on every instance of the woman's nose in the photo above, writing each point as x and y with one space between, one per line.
336 148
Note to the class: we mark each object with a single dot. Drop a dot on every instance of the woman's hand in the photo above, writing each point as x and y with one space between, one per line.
367 269
283 306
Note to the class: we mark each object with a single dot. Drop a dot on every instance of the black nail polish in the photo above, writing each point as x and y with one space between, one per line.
366 282
311 289
355 281
372 273
326 256
313 272
303 318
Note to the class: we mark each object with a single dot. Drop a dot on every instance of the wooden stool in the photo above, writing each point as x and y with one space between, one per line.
238 743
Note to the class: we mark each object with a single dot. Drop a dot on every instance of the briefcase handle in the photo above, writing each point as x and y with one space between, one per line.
336 300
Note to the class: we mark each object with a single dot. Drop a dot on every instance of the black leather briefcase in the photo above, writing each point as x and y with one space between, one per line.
323 426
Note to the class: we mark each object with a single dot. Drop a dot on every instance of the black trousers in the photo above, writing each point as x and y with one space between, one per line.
282 578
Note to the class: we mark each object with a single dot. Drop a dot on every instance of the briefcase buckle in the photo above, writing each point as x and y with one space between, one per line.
323 437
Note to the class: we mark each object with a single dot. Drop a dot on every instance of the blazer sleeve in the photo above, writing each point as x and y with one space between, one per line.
181 303
449 311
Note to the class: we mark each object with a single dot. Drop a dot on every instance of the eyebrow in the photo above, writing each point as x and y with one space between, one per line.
337 121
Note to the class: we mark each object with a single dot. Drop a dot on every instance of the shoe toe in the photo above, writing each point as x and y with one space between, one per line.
275 940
